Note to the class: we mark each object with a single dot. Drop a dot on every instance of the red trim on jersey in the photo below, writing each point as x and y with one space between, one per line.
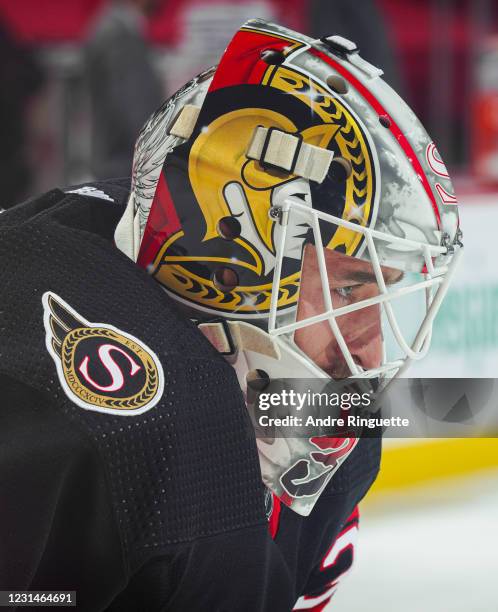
349 546
351 523
161 224
397 133
319 607
330 588
240 64
274 521
354 516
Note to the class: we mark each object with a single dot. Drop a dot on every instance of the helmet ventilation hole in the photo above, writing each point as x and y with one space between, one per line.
257 380
229 228
340 169
225 279
385 121
337 84
272 56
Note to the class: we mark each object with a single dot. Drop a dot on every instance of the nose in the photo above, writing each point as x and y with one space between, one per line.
367 347
369 356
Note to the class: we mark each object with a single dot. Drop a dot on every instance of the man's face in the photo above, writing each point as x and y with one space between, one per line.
350 280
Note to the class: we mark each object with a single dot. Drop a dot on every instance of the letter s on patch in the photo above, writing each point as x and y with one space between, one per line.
100 367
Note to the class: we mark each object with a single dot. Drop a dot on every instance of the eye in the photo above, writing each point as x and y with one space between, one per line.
344 292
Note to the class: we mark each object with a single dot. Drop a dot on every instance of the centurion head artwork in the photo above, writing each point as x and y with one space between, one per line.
230 194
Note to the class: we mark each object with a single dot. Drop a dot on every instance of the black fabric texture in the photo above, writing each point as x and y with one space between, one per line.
58 527
239 570
164 491
167 506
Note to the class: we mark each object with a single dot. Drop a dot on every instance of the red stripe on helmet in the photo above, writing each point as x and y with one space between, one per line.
395 130
162 222
240 64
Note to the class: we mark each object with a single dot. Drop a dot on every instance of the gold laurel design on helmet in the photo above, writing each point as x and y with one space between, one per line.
248 299
133 402
351 143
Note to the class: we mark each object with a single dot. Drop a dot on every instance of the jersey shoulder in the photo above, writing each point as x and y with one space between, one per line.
113 191
93 333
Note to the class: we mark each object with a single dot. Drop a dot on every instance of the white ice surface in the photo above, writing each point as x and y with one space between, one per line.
439 555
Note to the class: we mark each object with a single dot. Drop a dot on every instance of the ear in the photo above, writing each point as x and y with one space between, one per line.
320 135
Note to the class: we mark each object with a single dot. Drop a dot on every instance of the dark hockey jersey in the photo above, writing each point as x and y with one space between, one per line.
128 466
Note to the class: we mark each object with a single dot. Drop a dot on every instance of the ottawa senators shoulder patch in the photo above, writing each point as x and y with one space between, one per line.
100 367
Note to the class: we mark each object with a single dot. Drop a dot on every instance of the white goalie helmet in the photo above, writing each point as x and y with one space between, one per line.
295 204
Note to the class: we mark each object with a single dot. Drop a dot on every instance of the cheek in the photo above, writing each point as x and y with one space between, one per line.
312 292
361 323
310 301
317 341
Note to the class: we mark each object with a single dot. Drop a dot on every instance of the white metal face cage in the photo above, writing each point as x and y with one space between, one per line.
435 285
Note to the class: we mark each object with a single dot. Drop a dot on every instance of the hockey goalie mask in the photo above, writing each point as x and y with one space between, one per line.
292 202
291 193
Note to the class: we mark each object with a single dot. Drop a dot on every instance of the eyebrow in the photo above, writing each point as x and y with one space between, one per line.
360 276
